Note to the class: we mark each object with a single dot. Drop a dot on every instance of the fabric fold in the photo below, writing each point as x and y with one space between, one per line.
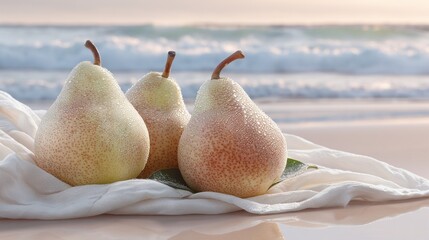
28 192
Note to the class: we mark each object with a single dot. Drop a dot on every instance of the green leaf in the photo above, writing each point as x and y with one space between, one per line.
294 168
171 177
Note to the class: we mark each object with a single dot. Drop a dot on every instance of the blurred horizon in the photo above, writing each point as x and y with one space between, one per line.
220 12
225 25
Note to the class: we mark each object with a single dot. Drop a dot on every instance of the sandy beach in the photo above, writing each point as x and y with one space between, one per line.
396 132
400 141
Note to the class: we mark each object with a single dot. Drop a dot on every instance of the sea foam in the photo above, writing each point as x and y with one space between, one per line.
42 85
359 50
281 61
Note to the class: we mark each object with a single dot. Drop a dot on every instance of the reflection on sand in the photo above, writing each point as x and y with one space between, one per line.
265 230
226 226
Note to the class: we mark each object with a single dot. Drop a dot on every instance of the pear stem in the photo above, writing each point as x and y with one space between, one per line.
237 55
170 58
91 46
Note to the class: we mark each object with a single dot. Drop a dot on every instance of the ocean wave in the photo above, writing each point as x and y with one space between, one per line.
42 85
360 50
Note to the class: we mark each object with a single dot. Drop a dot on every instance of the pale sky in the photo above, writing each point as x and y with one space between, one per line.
179 12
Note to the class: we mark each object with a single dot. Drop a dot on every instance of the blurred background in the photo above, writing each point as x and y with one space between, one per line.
338 52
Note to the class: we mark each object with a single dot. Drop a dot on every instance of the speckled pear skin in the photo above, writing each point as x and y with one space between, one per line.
91 134
160 103
230 145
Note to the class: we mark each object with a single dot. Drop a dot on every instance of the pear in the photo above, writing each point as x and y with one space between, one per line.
158 99
230 145
91 134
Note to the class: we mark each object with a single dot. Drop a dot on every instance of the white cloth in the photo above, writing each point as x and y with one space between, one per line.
28 192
